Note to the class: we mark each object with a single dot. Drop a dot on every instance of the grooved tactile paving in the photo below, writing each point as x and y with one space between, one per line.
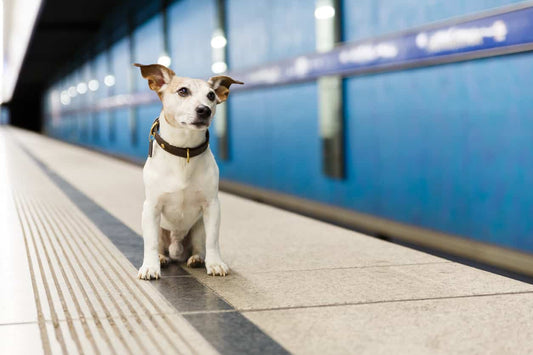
87 297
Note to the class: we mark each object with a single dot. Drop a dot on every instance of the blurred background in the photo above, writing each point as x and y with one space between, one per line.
395 111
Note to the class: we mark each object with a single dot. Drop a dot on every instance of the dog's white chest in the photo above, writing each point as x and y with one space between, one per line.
181 189
181 209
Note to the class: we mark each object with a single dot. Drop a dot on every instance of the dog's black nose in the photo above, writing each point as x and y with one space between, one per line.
203 111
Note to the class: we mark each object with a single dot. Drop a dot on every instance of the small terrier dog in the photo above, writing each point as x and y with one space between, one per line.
181 212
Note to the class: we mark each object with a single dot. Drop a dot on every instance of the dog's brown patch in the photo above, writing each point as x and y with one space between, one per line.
157 75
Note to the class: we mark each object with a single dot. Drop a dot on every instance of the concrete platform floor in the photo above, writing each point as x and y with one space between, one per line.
297 285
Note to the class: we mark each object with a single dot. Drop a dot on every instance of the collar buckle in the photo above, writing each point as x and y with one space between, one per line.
154 128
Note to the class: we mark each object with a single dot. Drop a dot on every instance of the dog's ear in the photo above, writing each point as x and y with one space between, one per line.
221 86
157 75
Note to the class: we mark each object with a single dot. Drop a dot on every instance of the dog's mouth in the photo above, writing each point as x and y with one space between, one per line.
195 124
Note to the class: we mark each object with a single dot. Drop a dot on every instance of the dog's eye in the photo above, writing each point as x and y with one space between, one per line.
183 92
211 96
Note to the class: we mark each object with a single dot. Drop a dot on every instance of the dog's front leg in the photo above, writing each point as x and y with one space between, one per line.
213 262
151 218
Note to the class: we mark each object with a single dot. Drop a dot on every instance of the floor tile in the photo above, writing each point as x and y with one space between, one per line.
358 285
186 294
20 339
496 325
224 330
173 269
256 237
17 302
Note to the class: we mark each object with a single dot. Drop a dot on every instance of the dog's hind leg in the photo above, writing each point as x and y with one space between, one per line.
164 242
197 240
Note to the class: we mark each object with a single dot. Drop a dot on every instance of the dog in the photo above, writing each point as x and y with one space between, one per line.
181 211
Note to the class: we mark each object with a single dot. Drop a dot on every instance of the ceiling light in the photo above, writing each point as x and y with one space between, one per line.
218 41
324 12
72 91
64 97
164 60
93 85
81 88
219 67
109 80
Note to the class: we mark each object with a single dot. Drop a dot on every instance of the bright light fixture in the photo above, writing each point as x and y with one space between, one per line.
164 60
93 85
218 41
17 21
219 67
72 91
64 97
81 88
324 12
109 80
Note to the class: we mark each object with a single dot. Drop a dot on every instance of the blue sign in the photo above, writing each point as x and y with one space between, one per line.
507 31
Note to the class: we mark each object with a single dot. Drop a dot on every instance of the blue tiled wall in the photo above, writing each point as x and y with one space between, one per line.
190 37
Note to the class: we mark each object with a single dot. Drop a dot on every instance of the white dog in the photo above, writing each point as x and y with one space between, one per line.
181 213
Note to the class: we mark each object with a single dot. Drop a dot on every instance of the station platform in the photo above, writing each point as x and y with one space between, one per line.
71 245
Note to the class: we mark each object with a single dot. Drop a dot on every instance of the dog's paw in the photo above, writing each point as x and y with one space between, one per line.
147 272
163 260
217 268
195 261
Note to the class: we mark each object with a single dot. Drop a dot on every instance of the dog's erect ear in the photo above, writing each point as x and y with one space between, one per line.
157 75
221 86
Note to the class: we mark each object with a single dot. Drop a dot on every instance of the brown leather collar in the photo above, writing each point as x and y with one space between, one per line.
169 148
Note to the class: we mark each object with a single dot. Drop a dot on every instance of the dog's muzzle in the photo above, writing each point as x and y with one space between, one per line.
203 112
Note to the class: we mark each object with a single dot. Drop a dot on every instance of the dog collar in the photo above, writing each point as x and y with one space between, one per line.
172 149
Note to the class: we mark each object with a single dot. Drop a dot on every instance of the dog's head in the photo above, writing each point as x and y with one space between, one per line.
188 103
